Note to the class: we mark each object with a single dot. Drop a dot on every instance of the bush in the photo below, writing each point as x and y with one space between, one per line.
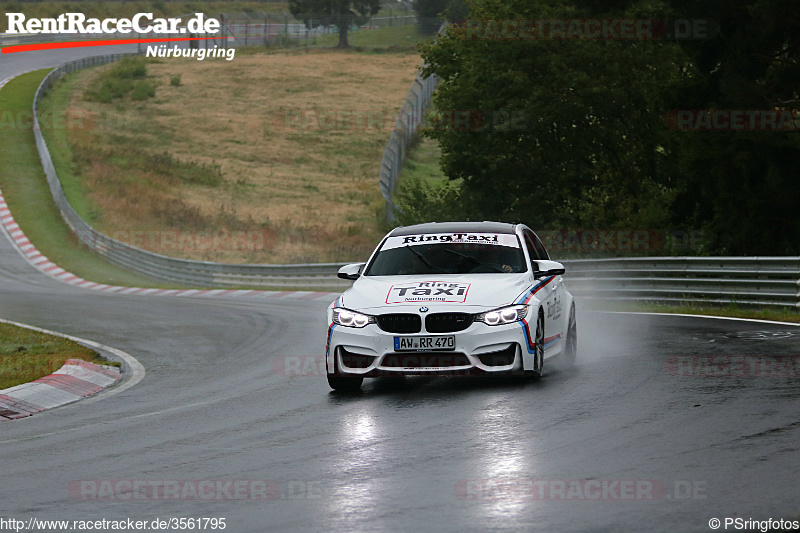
418 201
142 90
126 76
107 90
129 68
175 80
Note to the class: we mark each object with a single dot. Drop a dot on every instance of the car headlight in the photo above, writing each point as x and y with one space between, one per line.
504 315
351 319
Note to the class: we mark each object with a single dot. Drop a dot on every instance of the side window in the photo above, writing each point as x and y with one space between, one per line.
540 250
535 247
531 245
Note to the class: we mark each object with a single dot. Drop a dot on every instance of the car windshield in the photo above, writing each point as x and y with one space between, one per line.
397 258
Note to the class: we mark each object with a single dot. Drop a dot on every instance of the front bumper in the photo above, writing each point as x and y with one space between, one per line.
479 349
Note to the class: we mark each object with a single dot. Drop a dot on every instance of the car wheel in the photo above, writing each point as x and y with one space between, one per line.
538 362
343 383
571 348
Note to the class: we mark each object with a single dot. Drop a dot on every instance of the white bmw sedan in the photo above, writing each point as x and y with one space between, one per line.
451 298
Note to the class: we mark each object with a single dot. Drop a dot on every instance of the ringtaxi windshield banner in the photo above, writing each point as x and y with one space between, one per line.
499 239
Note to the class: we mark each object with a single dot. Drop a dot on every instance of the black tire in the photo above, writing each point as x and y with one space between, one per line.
571 348
538 360
336 381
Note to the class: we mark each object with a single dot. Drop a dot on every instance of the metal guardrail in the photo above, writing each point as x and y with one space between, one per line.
270 29
764 281
235 31
403 134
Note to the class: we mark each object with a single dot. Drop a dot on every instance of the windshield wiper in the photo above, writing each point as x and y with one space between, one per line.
425 261
474 260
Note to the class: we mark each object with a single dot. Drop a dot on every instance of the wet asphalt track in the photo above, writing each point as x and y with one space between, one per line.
428 454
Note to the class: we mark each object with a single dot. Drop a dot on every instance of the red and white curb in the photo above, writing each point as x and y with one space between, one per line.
35 258
76 380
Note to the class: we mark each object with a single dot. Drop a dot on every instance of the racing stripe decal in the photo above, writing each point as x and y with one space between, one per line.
331 327
549 341
524 298
527 295
330 335
530 344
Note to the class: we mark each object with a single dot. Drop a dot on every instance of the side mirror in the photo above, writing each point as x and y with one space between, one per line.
351 271
544 269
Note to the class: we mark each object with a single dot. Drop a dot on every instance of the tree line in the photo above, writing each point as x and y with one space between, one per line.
674 115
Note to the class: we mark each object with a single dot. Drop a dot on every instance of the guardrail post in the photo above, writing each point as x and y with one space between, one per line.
798 295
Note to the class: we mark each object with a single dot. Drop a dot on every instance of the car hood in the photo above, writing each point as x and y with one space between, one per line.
472 293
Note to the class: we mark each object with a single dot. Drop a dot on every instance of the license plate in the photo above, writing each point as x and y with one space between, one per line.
421 344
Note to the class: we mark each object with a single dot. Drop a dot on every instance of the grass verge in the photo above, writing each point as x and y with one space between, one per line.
27 355
25 189
422 163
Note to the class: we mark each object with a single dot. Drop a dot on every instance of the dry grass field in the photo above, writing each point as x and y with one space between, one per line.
269 158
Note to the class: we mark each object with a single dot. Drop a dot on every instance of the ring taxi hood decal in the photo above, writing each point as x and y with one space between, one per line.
502 239
428 291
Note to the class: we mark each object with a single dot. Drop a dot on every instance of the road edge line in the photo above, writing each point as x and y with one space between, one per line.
758 320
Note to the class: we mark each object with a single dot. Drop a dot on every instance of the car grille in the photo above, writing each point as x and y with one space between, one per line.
447 322
400 323
501 358
427 359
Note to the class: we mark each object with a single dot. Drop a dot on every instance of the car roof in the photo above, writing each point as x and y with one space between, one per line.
455 227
